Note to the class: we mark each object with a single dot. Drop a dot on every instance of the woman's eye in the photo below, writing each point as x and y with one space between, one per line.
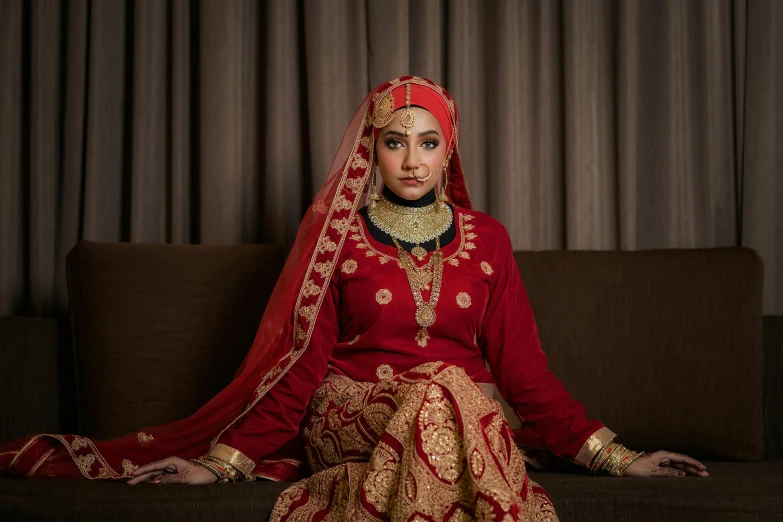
429 144
394 144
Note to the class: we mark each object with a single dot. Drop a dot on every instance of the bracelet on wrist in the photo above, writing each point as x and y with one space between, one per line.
614 459
221 477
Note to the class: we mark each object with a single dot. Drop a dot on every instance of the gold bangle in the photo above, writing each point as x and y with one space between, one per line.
610 449
226 468
232 470
623 462
615 459
602 455
597 457
232 456
221 478
593 445
630 461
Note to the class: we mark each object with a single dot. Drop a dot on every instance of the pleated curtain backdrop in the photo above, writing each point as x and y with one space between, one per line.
586 124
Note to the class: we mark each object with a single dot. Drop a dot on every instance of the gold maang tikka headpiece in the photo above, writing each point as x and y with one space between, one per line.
408 117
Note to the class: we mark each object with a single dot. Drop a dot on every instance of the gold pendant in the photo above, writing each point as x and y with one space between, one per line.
425 315
419 252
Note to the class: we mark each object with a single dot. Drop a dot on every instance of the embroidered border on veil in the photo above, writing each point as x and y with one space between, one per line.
283 334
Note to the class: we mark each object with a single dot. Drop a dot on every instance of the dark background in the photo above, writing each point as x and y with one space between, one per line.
586 124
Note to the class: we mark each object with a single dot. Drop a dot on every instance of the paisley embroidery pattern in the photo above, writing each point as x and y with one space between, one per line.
399 449
487 268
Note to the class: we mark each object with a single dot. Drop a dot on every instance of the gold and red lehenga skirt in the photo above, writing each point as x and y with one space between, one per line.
425 445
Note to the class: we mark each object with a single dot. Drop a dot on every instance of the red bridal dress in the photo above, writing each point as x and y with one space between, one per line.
389 428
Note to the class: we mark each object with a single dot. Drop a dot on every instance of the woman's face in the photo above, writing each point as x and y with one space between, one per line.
402 159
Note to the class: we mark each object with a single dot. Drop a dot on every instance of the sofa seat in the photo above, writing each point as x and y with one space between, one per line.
735 492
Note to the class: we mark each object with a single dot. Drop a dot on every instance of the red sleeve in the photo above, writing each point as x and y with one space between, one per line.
275 419
509 338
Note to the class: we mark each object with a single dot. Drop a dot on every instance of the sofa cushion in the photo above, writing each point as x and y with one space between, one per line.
88 501
161 329
734 492
665 347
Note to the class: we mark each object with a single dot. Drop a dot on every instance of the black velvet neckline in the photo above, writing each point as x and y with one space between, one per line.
427 199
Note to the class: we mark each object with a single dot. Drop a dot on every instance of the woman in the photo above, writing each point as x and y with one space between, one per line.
371 355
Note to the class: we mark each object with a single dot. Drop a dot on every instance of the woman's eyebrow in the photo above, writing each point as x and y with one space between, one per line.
421 134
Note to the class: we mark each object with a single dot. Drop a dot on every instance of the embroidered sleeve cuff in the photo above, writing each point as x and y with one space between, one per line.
592 445
234 457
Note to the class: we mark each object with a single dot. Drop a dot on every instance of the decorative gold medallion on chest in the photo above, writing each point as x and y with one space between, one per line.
419 252
425 315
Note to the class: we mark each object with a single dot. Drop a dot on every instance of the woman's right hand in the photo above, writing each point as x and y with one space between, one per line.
173 470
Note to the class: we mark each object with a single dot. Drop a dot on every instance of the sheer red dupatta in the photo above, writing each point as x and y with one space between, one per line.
283 334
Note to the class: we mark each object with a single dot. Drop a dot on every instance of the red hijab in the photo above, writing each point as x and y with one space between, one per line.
428 99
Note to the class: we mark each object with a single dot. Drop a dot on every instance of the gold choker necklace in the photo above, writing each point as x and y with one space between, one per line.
411 224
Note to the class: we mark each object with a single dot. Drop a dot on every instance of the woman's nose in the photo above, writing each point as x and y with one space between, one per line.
411 160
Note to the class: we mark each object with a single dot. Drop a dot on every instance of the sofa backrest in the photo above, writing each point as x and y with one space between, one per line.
665 347
161 329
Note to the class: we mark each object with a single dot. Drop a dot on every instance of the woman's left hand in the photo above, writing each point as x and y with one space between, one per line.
665 464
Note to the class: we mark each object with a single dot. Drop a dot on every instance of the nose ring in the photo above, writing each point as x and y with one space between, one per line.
424 179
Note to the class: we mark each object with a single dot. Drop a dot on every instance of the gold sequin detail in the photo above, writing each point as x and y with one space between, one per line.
440 438
354 339
349 266
432 408
326 245
359 162
477 464
323 268
308 312
310 288
84 463
384 296
487 268
460 515
463 300
299 333
128 467
384 372
79 443
144 439
341 225
381 482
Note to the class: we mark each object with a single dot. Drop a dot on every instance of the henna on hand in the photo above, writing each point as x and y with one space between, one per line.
667 472
173 478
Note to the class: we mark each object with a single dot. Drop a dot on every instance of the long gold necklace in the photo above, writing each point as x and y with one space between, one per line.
411 224
420 279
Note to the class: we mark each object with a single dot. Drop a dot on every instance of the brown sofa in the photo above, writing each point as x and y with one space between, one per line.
669 348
